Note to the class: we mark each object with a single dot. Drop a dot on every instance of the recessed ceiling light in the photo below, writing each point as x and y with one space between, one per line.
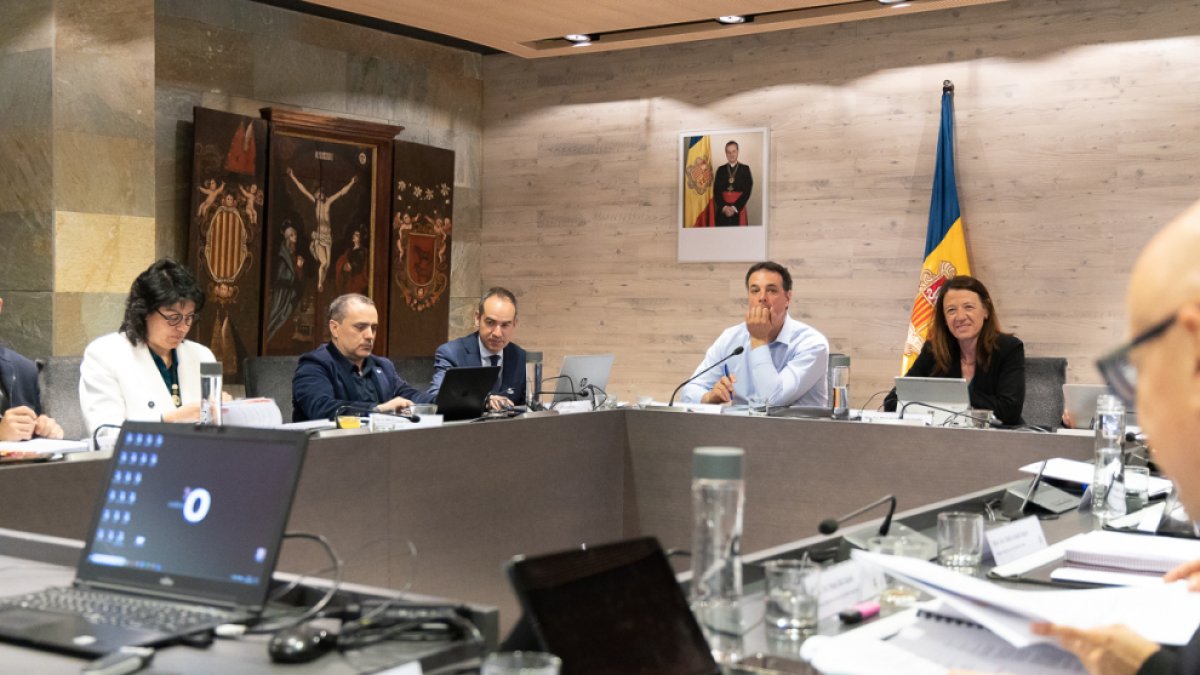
731 19
578 38
892 2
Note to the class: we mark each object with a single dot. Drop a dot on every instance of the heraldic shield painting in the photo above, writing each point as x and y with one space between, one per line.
229 169
319 236
723 195
422 211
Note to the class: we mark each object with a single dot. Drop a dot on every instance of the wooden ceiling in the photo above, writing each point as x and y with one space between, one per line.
535 28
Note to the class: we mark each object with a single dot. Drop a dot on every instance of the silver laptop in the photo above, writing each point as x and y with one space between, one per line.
185 536
949 393
580 372
1080 402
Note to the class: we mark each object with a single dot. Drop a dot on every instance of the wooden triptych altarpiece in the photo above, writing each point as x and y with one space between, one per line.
293 210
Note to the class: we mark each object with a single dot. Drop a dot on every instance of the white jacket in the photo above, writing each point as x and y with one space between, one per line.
118 381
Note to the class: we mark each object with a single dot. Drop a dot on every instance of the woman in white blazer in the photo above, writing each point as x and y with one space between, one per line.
147 370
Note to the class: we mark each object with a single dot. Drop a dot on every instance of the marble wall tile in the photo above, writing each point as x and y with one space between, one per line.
468 159
27 253
27 323
102 174
28 178
27 25
299 74
468 214
98 252
204 57
80 318
464 268
462 316
26 78
104 94
376 86
119 27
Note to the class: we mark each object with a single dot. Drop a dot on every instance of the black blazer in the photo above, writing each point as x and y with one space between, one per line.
1174 661
464 353
1000 388
19 375
322 384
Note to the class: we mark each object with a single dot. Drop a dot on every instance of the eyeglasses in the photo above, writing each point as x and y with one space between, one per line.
176 319
1119 372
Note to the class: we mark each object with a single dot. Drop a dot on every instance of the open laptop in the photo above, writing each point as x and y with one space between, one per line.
579 372
464 392
614 609
188 524
939 392
1080 402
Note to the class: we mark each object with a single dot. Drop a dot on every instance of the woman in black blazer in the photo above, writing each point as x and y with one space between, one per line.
966 342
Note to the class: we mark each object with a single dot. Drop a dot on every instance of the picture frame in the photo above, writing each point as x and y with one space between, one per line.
723 204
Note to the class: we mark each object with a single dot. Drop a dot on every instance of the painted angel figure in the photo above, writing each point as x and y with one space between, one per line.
253 199
211 193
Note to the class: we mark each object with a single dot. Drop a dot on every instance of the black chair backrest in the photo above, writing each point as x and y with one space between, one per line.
58 383
1044 378
271 377
416 370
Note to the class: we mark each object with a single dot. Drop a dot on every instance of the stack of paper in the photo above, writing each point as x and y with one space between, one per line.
1130 552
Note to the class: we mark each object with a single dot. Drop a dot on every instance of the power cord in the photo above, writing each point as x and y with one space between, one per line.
288 622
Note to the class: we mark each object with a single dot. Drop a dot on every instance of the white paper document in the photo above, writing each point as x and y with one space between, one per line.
1074 471
1165 613
1125 552
42 447
931 640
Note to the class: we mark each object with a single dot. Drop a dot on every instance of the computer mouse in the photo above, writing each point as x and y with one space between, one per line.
300 644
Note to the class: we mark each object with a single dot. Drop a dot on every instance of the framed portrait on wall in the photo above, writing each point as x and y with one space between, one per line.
723 179
327 232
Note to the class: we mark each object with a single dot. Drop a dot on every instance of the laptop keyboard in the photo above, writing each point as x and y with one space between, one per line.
103 608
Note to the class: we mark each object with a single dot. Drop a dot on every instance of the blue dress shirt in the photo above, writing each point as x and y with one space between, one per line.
791 370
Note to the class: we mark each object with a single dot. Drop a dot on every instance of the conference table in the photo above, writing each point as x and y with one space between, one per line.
468 497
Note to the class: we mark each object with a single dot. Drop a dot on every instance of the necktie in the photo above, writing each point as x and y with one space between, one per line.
495 359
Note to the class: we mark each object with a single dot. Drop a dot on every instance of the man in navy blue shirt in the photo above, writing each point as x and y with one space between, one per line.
20 403
343 373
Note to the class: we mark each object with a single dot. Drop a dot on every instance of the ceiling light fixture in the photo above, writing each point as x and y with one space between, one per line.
892 2
578 38
732 19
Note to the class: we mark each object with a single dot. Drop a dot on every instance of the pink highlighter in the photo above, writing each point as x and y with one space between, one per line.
860 612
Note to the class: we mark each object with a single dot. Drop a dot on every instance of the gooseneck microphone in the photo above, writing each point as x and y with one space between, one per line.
732 354
995 424
830 525
370 410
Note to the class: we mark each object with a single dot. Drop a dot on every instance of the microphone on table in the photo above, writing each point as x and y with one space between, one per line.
370 410
830 525
732 354
995 424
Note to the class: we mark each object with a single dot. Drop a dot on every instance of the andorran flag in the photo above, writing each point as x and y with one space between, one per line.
697 182
945 242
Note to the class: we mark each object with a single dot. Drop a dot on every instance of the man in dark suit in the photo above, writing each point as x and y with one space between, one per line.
343 372
732 186
490 345
20 402
1158 367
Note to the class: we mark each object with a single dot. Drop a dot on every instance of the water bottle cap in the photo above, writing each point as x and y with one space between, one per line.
717 463
210 369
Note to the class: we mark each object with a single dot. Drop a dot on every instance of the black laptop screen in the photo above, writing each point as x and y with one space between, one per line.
194 511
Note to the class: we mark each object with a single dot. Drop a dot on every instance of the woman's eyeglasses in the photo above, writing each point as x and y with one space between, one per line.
176 319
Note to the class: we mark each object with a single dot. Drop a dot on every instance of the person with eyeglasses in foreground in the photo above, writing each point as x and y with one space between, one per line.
1159 369
148 370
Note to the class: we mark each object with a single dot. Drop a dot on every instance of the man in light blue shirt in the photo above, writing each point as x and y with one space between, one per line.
785 361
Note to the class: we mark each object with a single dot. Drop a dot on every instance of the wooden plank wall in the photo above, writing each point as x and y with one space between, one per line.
1078 129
